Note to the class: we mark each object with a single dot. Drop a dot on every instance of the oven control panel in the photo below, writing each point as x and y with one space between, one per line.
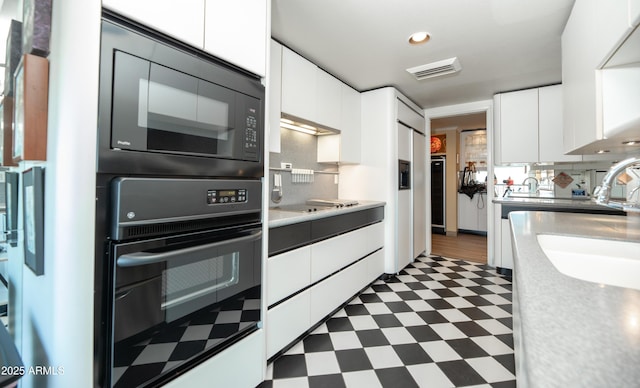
226 196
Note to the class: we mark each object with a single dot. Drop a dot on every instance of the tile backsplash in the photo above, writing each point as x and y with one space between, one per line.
300 150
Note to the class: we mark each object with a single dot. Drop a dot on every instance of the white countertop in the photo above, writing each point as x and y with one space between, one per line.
575 333
281 218
545 200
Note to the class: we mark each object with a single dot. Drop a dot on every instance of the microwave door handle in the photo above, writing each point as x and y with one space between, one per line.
144 258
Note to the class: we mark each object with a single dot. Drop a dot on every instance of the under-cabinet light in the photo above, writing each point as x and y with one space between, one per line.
300 128
631 142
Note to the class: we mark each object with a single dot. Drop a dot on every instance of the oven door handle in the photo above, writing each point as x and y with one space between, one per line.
144 258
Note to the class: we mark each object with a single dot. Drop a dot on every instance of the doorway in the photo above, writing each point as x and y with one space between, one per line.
456 239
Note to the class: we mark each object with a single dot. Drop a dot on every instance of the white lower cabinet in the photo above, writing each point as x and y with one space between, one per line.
472 212
223 368
329 272
375 264
503 253
287 321
351 247
287 273
334 291
506 250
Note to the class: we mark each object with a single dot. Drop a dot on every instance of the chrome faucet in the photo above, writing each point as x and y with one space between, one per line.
602 193
533 186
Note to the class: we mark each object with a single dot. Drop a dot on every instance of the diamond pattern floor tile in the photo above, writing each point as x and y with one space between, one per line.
439 323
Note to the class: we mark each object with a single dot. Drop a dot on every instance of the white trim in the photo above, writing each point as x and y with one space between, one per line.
463 109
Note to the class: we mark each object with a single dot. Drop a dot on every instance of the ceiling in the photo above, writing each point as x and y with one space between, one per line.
502 45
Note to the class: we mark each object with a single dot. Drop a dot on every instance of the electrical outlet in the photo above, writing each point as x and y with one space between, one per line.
286 165
335 179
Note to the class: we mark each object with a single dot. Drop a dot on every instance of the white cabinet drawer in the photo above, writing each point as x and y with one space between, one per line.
334 291
288 273
375 265
287 321
330 255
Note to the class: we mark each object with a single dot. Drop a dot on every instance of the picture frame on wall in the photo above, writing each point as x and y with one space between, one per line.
12 55
30 109
18 116
438 144
33 218
7 132
36 27
12 180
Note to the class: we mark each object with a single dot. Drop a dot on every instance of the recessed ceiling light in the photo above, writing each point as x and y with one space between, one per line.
631 142
419 37
602 151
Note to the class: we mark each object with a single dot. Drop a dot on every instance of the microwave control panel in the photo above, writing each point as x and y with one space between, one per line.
251 131
215 197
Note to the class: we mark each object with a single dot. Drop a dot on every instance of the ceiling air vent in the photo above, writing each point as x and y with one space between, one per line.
436 69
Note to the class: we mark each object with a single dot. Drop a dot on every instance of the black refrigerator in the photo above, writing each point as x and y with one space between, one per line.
438 173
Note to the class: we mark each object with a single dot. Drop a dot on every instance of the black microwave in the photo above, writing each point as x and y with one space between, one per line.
168 109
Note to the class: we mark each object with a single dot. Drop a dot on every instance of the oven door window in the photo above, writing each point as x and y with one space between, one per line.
177 304
192 286
159 109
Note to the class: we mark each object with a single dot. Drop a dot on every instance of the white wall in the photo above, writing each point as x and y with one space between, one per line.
53 313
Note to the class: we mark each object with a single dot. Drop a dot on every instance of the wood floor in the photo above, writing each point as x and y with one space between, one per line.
463 246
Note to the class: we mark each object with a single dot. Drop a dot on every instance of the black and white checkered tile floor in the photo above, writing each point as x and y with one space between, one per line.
440 323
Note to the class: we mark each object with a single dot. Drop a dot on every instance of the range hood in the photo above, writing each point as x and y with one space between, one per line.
306 126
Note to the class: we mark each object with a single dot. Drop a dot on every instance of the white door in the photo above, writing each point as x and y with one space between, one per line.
404 221
419 194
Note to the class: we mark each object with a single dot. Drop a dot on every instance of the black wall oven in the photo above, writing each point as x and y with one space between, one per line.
178 207
167 109
186 279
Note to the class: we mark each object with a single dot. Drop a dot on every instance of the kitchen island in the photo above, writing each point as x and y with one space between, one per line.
570 332
503 254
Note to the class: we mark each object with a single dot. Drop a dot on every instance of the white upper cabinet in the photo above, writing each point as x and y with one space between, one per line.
309 92
274 87
236 31
299 86
550 136
183 21
312 94
608 22
410 118
329 99
634 13
528 127
517 127
350 126
345 148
